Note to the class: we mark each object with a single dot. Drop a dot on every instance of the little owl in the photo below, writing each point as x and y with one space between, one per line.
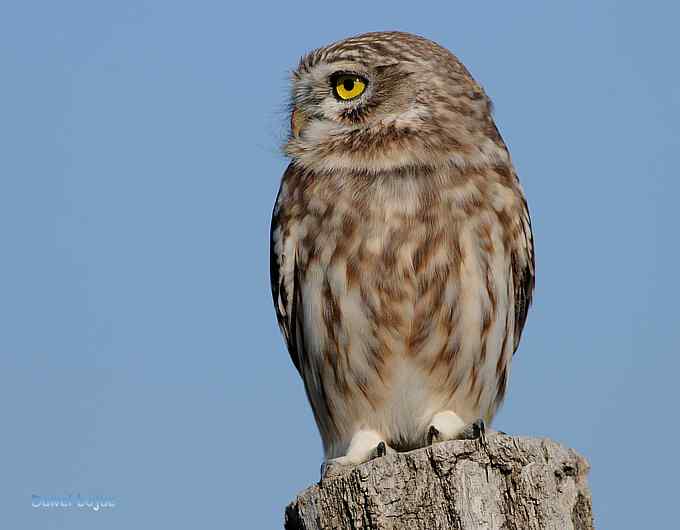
402 260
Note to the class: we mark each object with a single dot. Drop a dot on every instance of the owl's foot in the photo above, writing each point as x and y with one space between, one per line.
474 431
365 446
447 425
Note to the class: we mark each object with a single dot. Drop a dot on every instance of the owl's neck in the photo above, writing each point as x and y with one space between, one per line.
404 163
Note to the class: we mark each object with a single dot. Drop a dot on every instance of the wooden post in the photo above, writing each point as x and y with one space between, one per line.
513 483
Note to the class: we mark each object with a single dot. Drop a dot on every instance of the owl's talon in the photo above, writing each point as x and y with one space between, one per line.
381 450
432 435
474 431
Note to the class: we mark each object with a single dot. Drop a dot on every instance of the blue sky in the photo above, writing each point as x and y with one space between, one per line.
139 355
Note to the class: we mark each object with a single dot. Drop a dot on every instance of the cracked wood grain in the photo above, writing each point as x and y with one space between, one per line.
510 483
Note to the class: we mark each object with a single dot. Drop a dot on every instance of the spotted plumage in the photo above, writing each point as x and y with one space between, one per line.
402 260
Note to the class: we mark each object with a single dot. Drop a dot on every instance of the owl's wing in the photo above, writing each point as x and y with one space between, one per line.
522 269
285 289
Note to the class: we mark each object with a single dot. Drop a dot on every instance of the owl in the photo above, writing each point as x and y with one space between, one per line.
402 259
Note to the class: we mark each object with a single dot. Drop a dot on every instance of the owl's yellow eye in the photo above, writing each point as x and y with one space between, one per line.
348 86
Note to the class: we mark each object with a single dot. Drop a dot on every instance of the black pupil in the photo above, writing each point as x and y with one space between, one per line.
348 84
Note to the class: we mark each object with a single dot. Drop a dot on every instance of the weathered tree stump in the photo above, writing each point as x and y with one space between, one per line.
513 483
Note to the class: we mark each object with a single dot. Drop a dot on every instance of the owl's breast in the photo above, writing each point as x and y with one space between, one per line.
402 287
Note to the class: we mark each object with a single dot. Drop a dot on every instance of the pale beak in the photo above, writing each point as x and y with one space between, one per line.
297 122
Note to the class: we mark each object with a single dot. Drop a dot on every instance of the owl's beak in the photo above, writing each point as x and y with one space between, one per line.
297 122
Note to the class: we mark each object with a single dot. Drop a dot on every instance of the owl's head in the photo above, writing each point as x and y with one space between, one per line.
390 100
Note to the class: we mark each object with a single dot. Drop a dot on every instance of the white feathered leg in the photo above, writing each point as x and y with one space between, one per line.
365 445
